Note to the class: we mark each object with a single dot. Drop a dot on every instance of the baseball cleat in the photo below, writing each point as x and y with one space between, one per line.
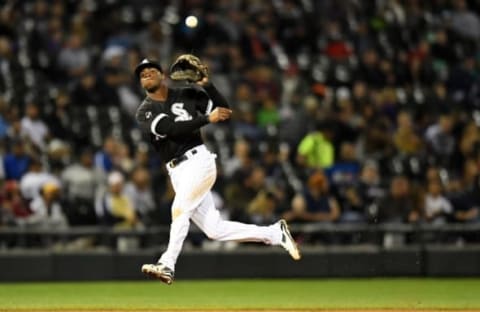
159 271
287 241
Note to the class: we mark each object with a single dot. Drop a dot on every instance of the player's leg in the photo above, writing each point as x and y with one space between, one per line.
208 219
183 208
185 203
191 183
178 232
165 267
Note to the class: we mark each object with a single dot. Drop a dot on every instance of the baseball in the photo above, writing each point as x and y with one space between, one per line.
191 21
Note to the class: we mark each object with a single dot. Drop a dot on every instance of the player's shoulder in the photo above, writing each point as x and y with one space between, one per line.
145 107
146 103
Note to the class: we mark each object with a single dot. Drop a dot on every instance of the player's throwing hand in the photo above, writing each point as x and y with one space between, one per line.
219 114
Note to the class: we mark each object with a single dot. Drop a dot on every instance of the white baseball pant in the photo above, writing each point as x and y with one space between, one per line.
192 181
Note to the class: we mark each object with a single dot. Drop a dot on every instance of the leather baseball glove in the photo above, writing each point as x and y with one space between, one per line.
188 67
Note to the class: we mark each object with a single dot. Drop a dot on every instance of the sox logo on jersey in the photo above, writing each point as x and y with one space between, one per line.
180 112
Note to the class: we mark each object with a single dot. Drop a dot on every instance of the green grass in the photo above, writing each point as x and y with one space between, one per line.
243 294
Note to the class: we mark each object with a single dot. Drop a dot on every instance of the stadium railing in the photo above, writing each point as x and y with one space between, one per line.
309 233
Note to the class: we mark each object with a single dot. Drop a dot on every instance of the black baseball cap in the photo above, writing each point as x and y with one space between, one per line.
145 64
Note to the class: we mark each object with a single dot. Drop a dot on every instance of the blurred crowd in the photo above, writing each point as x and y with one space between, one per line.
344 111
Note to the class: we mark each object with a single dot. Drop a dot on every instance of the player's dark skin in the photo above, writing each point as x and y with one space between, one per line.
153 81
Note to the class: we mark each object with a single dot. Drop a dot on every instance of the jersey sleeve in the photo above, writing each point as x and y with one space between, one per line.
215 96
162 125
208 98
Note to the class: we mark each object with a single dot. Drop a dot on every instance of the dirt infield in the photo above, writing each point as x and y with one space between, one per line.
256 310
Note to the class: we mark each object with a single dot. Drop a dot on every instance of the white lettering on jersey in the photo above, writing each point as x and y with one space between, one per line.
209 107
180 112
154 123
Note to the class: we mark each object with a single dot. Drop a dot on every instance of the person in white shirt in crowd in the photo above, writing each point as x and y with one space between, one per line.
32 181
33 128
46 209
80 182
436 207
74 59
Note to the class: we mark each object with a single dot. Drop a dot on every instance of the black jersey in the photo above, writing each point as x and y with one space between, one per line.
173 126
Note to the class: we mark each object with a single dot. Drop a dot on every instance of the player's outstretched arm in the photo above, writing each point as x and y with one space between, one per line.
218 100
162 125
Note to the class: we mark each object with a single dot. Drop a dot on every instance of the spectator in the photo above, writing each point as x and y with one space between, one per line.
121 158
461 82
345 171
113 76
240 160
268 114
437 208
33 180
139 191
4 123
113 207
243 190
104 159
440 139
437 102
16 162
369 69
33 128
271 159
470 140
465 22
46 209
316 149
347 122
362 199
315 204
87 91
262 208
463 194
74 58
12 78
399 205
406 139
12 205
155 41
300 120
60 119
81 181
442 47
376 141
465 213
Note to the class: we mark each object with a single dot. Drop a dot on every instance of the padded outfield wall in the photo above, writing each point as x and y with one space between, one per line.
244 263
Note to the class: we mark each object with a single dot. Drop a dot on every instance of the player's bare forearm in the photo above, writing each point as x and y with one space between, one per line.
219 114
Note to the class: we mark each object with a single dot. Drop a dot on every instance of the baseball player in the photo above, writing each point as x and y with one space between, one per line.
172 117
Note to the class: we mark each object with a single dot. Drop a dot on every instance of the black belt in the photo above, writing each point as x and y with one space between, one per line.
178 160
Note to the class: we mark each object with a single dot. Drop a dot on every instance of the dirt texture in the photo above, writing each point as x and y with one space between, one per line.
249 310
